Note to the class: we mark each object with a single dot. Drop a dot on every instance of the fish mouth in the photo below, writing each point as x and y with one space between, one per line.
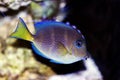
85 57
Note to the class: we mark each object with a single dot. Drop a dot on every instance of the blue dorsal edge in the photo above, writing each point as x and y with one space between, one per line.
41 54
39 25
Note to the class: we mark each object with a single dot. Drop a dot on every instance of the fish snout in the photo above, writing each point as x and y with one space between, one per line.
85 57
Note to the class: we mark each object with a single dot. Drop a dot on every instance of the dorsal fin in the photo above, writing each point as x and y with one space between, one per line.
47 23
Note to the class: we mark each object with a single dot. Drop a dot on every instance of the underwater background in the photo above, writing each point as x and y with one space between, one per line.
97 20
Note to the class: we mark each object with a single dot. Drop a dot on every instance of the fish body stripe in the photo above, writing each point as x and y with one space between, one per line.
52 40
65 35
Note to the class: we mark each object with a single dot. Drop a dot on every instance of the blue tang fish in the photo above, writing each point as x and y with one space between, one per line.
56 41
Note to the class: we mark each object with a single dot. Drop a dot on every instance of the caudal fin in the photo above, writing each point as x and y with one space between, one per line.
22 31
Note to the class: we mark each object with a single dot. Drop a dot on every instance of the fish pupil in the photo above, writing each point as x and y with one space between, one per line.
78 43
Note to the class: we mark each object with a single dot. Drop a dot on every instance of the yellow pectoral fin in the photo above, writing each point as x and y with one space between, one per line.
62 49
22 32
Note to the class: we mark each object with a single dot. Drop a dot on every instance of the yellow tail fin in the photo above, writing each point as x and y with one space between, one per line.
22 31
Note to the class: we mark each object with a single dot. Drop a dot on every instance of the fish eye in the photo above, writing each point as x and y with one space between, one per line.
78 43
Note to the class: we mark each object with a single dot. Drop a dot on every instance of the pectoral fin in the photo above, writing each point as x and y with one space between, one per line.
62 49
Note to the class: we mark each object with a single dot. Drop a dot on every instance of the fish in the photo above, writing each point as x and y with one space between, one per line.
56 41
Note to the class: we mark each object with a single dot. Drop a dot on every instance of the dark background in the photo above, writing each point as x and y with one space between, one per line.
99 21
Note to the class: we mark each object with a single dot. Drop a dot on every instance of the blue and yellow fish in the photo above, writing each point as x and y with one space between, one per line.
56 41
